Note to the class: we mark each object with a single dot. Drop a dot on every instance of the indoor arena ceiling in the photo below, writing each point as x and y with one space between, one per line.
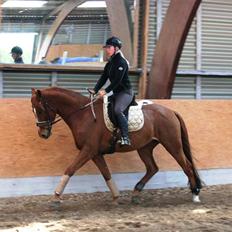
38 14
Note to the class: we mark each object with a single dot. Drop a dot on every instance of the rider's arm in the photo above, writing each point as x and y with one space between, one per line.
102 80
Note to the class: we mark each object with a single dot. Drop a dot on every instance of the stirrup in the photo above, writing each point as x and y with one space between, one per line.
125 141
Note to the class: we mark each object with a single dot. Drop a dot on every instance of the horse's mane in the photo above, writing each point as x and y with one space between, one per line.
65 95
66 92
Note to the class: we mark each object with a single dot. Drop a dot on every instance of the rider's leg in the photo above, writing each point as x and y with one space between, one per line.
122 100
123 126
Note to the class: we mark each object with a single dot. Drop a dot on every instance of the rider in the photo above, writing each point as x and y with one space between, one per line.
16 53
116 70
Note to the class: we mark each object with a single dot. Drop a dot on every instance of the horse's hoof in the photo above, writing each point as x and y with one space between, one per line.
115 201
196 199
56 201
57 198
56 204
135 200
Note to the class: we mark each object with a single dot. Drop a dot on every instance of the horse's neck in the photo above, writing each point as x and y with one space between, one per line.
65 104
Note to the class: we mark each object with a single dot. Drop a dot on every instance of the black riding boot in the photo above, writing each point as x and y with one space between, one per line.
123 126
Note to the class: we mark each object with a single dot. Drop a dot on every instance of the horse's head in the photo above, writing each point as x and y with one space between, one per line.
44 113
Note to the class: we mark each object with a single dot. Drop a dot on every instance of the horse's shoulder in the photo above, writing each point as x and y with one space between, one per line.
98 104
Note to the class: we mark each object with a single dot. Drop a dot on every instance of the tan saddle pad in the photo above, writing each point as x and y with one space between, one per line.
135 118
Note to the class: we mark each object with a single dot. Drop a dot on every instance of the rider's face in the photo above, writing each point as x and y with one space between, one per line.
110 50
14 55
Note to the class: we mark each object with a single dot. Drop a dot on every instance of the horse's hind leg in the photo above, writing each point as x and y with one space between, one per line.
102 166
146 156
176 150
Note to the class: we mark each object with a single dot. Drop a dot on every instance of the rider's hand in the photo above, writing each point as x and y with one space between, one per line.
92 91
102 92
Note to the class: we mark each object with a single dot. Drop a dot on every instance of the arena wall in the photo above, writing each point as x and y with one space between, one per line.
24 154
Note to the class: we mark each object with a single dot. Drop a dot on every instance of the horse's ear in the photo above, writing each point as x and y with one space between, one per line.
38 94
33 91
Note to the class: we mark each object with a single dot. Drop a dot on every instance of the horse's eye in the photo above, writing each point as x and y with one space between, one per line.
39 112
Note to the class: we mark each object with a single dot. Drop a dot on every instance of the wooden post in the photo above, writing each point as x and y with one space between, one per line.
121 24
144 47
136 33
0 13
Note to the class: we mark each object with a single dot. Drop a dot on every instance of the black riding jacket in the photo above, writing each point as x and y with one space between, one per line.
116 70
19 60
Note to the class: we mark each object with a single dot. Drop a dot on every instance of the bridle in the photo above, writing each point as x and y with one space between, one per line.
48 123
46 107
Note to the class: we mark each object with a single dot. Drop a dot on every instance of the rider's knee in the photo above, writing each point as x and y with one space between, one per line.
118 112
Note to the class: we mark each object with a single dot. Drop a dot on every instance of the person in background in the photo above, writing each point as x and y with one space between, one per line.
55 60
16 53
44 61
116 70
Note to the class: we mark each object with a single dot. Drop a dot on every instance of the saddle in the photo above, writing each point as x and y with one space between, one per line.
133 113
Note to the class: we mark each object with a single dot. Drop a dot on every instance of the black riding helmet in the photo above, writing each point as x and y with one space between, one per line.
17 50
113 41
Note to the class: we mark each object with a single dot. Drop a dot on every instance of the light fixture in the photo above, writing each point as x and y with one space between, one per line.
23 4
93 4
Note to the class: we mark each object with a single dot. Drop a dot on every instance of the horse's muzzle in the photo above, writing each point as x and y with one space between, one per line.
44 133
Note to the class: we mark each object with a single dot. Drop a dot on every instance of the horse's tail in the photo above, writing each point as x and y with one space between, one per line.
187 149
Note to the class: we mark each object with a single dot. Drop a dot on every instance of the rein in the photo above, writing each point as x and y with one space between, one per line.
92 100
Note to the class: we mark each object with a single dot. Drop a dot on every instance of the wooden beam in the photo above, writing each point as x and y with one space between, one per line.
144 48
70 5
56 10
168 50
1 13
121 24
136 32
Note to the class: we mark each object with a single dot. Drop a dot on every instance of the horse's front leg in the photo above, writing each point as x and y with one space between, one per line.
102 166
78 162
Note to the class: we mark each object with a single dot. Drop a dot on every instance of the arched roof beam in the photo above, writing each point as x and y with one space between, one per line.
53 12
56 10
170 44
69 6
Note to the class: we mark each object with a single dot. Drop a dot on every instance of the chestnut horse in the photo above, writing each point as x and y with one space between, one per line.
161 125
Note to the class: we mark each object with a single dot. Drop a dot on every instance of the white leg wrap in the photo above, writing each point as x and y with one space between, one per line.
63 182
196 198
113 188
